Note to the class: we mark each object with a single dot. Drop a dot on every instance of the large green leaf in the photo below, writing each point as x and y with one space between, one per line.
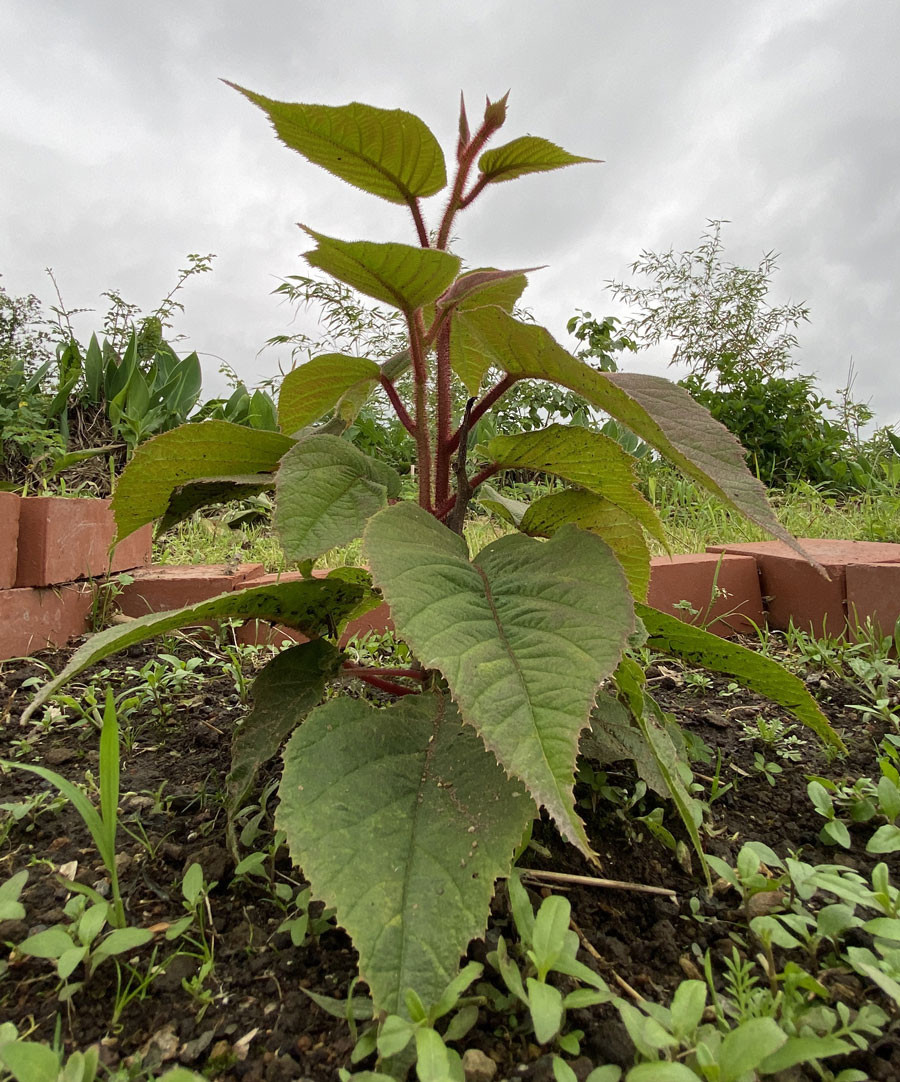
212 490
476 288
618 528
326 492
614 735
387 152
315 387
397 274
585 458
658 411
524 635
313 606
283 694
211 449
402 821
527 154
755 671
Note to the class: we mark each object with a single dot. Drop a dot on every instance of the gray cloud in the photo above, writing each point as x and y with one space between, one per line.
121 150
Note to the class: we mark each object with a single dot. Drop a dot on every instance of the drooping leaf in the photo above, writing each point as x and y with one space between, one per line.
670 635
527 154
618 528
511 511
283 694
659 412
211 449
326 492
387 152
314 388
524 634
486 286
585 458
313 606
650 719
186 499
397 274
402 821
614 735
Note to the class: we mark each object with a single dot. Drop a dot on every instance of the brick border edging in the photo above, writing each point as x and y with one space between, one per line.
765 583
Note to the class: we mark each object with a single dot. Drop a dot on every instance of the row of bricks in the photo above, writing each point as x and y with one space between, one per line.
48 540
731 589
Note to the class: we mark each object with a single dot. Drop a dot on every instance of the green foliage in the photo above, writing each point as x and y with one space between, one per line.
423 802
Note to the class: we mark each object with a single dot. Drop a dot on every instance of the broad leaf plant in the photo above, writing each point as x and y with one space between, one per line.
403 816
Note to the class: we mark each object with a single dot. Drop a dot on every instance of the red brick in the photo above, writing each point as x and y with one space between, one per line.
63 539
873 592
692 578
33 619
162 587
794 591
9 538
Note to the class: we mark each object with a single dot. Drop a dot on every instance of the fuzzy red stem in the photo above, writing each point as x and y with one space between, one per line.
444 418
476 190
462 174
420 223
399 408
423 437
386 685
481 408
445 508
358 670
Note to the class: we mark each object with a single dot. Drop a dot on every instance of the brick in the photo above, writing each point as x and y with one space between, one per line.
736 611
794 591
873 593
9 539
62 539
172 586
33 619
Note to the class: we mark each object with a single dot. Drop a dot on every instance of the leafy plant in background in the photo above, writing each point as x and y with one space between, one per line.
738 347
402 817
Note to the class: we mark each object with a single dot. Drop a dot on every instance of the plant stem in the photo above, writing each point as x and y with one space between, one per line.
481 408
385 685
455 202
399 408
357 670
423 437
445 508
420 224
444 417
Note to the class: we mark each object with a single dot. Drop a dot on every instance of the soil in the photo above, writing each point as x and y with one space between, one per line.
257 1023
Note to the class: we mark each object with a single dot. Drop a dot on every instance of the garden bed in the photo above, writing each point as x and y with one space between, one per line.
248 1016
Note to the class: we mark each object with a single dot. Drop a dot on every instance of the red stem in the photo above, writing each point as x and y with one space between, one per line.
476 190
444 509
423 437
386 685
444 417
399 408
420 223
462 174
481 408
357 670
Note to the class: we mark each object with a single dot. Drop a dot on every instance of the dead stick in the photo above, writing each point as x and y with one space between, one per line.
598 957
591 881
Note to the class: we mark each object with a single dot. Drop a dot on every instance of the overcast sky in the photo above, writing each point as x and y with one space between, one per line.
120 152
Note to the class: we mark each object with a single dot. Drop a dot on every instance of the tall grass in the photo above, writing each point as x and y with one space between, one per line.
692 517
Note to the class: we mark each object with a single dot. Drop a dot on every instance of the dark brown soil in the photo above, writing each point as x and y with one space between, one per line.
257 1023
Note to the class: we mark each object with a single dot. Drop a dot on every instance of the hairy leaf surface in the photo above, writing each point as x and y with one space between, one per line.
312 606
527 154
387 152
656 410
326 491
210 449
511 511
397 274
672 636
401 820
314 388
585 458
524 634
283 694
620 529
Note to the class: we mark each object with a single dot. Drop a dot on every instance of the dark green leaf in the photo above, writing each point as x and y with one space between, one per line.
527 154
